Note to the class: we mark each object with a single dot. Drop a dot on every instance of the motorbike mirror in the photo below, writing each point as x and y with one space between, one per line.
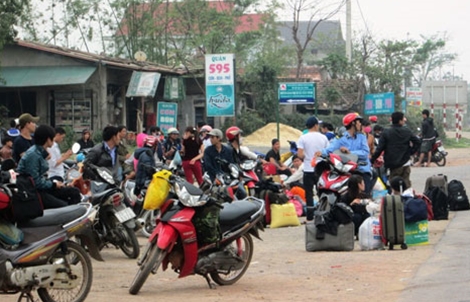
419 129
75 148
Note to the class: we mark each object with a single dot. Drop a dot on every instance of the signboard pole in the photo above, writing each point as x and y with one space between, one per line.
315 96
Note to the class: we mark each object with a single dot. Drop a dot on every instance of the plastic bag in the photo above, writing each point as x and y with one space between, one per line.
157 191
369 235
177 158
10 235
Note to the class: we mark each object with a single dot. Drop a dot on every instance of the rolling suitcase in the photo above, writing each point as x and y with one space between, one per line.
392 222
439 180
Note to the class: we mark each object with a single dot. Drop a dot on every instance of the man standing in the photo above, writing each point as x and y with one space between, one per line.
217 150
56 159
395 143
354 142
428 135
105 154
308 145
27 124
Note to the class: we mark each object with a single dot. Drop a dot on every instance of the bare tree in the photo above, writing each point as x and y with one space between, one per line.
315 14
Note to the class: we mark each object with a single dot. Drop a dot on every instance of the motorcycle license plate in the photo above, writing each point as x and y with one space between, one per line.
440 148
125 215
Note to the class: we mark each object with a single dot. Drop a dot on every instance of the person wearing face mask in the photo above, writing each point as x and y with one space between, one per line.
353 142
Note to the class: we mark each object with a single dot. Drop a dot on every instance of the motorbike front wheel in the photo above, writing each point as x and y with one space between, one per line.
128 242
439 159
243 247
150 222
152 260
81 274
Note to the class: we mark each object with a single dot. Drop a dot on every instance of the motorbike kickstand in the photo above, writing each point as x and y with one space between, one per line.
209 282
26 296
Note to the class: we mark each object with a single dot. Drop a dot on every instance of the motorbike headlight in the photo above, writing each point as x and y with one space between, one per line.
248 165
187 199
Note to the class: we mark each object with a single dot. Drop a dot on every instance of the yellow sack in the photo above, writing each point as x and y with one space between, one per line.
283 215
158 190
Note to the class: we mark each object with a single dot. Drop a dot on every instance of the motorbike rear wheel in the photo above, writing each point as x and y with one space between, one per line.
79 262
128 242
152 260
440 159
231 276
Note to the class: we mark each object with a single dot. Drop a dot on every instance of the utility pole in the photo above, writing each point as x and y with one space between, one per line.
348 31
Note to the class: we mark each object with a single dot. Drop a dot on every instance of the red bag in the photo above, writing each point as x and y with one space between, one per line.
4 199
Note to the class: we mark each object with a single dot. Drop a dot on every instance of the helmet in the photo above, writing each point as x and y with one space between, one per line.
80 157
206 128
173 130
231 132
150 141
351 117
373 119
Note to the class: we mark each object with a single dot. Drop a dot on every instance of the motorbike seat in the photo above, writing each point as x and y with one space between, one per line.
96 197
56 216
236 213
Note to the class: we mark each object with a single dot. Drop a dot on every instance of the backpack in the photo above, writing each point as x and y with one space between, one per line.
26 201
458 200
440 205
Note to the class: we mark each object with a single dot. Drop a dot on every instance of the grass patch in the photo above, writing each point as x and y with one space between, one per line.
452 143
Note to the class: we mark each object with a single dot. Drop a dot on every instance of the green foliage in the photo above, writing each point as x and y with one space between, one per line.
248 121
68 140
97 137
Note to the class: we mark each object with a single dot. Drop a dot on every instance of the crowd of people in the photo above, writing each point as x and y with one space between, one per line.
35 150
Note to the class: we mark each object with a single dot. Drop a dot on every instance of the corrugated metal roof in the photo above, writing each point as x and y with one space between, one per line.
34 76
96 58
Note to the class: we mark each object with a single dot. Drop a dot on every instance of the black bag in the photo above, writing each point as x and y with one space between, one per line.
415 209
458 200
26 201
440 205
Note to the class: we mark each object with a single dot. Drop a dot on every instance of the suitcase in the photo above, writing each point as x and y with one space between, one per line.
343 241
439 180
392 222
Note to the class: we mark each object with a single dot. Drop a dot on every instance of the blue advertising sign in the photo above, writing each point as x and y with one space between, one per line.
296 93
167 115
380 103
220 100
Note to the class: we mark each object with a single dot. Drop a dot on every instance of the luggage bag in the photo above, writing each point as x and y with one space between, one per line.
439 180
392 222
343 241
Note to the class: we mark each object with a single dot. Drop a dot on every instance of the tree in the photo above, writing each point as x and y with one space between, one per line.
300 6
11 12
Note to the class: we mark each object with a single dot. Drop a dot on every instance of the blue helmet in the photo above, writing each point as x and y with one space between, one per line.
80 157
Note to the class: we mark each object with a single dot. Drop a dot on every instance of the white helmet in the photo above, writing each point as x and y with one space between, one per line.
173 130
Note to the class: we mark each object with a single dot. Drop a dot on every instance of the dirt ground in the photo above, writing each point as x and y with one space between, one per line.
281 270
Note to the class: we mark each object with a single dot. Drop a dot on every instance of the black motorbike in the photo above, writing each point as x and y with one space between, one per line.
115 223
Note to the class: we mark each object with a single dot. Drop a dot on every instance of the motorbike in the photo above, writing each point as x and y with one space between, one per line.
48 260
438 154
115 223
251 171
229 179
334 170
176 241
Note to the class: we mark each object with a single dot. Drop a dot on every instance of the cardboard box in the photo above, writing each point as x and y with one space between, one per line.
416 233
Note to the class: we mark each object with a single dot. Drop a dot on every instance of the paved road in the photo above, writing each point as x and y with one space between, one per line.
445 276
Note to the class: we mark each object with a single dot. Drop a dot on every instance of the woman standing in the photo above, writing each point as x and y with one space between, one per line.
192 152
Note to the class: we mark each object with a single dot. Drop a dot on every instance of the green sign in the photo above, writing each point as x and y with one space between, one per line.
296 93
174 89
167 114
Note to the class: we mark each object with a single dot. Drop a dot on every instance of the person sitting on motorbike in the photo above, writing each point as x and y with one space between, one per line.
86 142
357 199
104 154
171 144
353 142
54 194
145 160
273 156
241 153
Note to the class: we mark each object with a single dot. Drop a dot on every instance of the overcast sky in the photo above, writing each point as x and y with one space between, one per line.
398 18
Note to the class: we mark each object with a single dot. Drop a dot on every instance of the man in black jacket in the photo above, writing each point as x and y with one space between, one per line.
428 136
397 143
105 154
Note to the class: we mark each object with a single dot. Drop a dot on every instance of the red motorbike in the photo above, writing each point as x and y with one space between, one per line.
249 175
334 170
176 240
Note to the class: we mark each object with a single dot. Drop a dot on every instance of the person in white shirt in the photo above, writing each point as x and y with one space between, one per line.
296 179
309 144
56 159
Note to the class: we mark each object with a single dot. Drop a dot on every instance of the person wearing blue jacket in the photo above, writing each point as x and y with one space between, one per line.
146 159
353 142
